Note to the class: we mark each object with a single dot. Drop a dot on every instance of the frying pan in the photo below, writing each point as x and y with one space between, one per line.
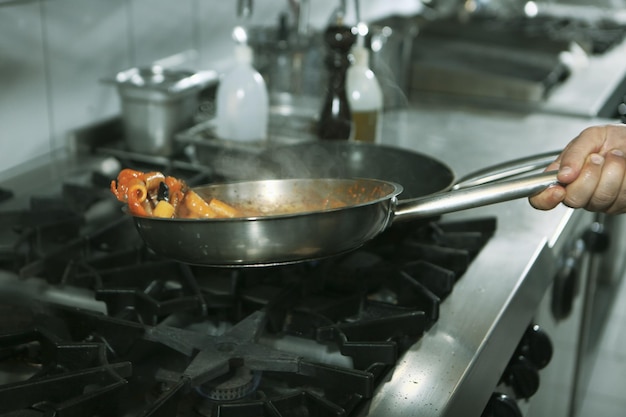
314 231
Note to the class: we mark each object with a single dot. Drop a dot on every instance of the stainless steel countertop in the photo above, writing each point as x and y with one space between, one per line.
446 373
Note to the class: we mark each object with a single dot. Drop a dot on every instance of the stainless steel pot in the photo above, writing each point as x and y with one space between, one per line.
157 103
370 206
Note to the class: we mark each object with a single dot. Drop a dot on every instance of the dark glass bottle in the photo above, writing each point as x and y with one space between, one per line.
335 121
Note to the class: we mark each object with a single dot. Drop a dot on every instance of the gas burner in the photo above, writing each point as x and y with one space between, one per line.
237 384
216 357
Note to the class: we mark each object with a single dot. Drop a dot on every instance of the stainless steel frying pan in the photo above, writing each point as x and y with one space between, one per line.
314 231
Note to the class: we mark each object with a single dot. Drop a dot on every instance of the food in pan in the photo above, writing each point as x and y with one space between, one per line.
153 194
157 195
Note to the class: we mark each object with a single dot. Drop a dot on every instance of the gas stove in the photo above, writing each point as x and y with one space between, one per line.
437 320
94 323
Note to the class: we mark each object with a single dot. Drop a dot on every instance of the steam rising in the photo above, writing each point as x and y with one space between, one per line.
420 175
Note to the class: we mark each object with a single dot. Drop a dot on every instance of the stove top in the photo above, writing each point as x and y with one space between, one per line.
128 333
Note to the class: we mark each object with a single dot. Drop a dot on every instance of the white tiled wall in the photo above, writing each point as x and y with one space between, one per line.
84 41
24 116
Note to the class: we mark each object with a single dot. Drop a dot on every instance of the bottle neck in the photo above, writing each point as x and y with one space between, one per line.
243 54
361 56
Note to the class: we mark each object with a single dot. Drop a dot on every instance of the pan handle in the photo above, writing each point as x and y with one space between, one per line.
478 196
506 170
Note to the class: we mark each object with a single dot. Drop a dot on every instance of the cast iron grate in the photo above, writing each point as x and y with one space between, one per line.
312 339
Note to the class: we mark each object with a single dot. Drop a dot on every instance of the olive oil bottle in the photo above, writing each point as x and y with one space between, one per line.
365 96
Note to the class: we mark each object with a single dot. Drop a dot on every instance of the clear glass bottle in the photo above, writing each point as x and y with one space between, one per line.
242 101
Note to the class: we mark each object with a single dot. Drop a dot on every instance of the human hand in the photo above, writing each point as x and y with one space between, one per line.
591 172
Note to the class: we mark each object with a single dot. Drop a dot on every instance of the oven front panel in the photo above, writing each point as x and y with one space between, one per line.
562 314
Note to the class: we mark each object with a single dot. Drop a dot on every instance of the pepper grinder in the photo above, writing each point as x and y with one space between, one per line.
335 121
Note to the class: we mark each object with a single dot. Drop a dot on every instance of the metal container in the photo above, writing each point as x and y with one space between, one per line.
157 103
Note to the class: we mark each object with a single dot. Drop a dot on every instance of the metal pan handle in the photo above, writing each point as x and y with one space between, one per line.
472 197
506 170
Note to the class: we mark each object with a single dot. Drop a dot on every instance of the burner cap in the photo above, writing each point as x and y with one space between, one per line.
237 384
